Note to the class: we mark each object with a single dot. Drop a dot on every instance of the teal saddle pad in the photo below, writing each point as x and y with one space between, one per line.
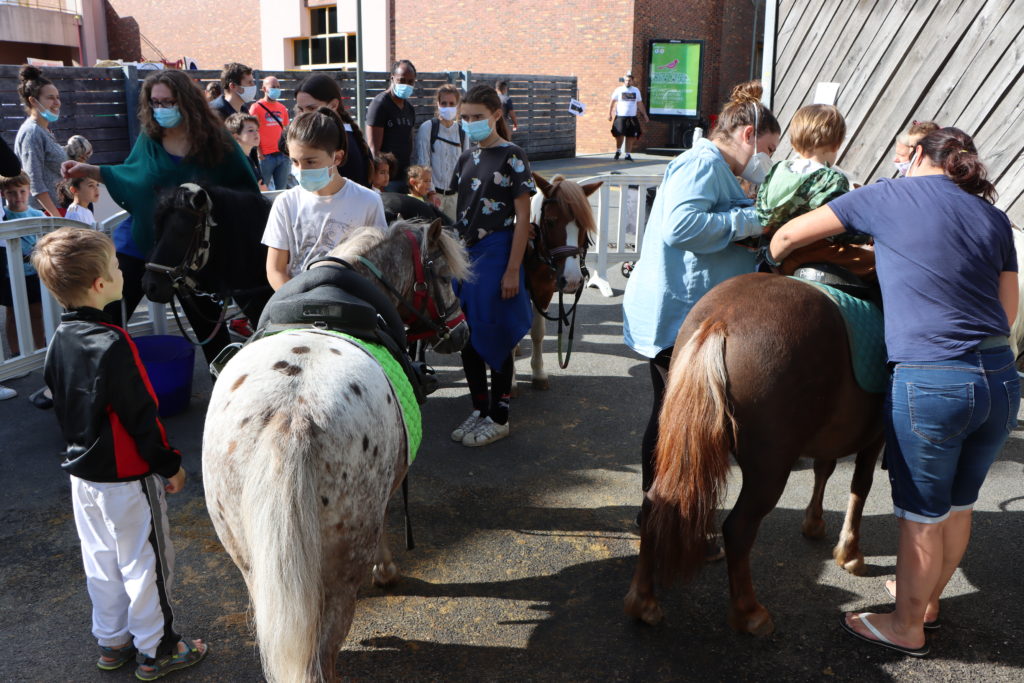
867 337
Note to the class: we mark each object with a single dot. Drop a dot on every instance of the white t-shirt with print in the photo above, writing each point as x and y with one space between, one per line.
308 226
626 99
77 212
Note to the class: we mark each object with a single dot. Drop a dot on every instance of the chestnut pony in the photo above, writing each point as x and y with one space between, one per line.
563 223
762 371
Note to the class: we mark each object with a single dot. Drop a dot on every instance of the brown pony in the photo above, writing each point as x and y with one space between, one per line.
763 372
563 224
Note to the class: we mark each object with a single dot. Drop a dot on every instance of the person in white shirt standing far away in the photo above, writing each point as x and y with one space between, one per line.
626 111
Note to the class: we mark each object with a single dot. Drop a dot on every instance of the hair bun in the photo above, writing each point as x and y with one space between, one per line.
746 93
29 73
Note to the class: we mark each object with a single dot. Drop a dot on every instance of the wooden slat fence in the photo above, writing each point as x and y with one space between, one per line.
957 63
94 103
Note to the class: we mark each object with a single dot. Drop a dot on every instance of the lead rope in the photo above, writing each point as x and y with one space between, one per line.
571 316
409 542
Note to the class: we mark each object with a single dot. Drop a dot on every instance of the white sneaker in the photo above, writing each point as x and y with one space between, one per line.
486 431
6 393
466 427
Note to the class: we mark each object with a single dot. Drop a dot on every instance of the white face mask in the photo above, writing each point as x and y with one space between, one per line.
910 165
248 93
901 168
759 164
447 113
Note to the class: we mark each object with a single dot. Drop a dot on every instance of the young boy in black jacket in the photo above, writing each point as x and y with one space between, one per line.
118 458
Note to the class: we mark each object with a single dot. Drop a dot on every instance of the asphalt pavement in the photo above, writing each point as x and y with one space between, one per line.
525 549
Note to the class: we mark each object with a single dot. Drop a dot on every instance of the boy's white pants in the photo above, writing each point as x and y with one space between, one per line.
128 558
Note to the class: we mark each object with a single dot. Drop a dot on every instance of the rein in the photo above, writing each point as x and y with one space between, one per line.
547 256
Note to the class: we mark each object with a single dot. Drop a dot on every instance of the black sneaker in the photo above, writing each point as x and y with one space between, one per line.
629 157
617 155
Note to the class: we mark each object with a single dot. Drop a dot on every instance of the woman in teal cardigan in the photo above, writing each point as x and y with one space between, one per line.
182 141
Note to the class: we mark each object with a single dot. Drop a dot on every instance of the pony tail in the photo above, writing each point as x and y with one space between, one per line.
696 431
64 194
502 128
954 151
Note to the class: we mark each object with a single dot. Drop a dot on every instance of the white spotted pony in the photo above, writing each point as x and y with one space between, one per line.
304 444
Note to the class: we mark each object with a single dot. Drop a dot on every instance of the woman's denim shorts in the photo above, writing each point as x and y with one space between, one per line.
946 421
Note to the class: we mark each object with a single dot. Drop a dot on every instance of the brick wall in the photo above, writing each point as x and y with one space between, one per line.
724 26
589 39
597 41
212 31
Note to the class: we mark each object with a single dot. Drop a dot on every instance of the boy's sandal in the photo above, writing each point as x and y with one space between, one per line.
159 667
117 656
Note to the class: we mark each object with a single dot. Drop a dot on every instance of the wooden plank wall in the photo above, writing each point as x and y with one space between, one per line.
957 63
93 105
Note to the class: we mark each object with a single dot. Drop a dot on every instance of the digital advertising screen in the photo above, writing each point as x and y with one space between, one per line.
674 77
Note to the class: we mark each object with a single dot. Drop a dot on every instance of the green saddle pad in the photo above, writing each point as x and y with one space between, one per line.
867 337
403 390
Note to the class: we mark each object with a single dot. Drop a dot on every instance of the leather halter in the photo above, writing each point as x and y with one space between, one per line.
197 254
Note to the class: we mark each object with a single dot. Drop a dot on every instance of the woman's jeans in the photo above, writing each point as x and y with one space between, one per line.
946 422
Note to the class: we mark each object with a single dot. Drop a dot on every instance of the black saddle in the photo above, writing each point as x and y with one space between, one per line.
842 279
334 297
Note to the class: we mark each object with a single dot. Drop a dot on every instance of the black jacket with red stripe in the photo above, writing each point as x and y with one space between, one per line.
104 402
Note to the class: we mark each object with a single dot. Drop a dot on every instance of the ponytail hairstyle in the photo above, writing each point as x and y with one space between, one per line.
325 89
321 129
488 97
954 152
745 109
64 193
32 82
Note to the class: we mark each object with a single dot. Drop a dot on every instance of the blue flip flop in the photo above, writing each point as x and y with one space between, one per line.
881 640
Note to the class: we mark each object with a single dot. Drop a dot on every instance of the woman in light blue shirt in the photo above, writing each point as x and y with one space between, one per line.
688 246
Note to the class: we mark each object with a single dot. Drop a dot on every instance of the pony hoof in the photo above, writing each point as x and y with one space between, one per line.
758 624
813 529
854 564
541 384
384 575
646 610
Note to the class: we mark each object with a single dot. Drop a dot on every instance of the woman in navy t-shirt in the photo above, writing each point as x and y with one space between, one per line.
948 272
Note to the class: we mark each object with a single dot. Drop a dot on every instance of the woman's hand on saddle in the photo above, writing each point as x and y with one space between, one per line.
510 284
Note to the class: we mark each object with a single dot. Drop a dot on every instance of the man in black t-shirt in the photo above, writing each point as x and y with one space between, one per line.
239 89
390 121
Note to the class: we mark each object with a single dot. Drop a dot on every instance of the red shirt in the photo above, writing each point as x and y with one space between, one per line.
270 128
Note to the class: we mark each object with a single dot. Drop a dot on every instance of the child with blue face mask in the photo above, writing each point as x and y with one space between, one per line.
494 185
309 220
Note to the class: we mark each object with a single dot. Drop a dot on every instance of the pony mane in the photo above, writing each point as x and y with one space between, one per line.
574 201
364 240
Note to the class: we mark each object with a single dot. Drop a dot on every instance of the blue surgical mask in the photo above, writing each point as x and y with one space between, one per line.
312 179
274 93
477 131
402 90
167 117
49 115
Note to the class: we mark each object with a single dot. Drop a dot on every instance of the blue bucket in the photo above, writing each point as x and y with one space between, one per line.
168 361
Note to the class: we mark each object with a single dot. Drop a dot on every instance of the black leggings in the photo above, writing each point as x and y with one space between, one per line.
201 313
659 375
501 384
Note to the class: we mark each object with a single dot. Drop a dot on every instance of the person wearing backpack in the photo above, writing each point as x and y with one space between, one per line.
272 117
440 143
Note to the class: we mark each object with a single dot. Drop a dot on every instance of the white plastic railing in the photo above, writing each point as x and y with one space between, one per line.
31 357
615 243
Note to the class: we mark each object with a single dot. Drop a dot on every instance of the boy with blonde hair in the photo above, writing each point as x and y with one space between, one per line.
117 456
796 186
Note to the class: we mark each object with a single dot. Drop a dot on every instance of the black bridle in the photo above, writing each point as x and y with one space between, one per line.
184 276
549 256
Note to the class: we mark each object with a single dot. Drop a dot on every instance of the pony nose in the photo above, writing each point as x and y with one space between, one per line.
562 282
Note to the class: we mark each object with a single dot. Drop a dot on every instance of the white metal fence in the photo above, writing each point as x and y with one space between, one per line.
619 240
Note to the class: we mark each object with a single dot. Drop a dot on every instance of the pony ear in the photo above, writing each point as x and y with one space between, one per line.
543 185
198 198
591 188
434 232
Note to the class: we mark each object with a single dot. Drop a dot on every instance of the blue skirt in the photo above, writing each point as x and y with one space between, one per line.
495 325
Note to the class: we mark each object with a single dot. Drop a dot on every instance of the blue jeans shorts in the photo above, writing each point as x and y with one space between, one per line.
946 422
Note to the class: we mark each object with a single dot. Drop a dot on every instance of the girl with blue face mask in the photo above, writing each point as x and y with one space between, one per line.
494 185
35 144
309 220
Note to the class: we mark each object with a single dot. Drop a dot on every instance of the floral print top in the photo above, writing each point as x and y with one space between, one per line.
488 181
